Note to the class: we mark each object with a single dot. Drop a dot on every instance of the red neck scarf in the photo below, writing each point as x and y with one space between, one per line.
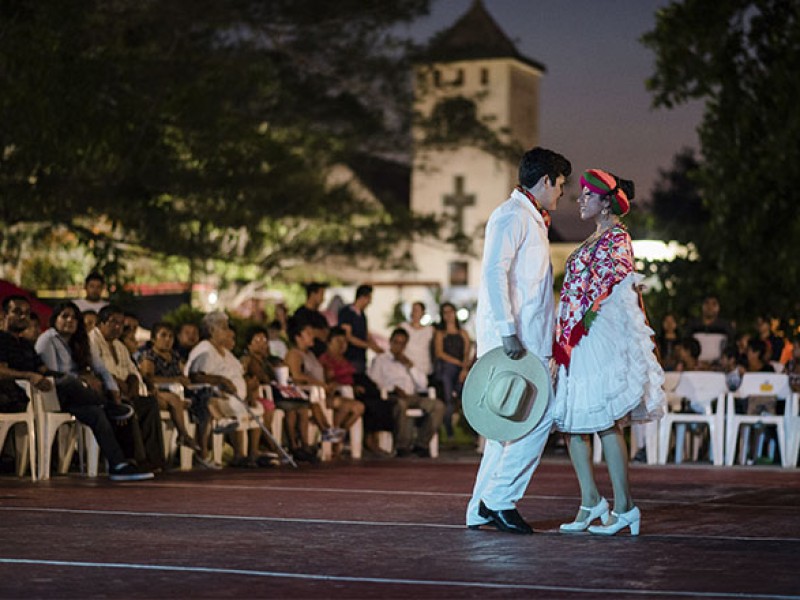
537 205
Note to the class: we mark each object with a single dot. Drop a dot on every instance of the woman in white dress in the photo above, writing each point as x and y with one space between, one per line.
608 374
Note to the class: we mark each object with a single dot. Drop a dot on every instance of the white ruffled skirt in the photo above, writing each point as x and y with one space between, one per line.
613 374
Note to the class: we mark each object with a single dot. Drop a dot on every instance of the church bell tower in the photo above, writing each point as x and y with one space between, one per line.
471 73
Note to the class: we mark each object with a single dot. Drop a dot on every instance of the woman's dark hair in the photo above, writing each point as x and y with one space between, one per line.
158 327
294 328
79 341
253 332
626 185
336 331
441 324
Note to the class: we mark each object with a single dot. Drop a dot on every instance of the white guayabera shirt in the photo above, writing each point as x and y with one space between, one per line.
516 289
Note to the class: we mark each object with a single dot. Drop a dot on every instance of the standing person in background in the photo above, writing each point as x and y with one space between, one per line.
420 339
309 314
608 374
452 350
353 320
666 340
94 286
515 312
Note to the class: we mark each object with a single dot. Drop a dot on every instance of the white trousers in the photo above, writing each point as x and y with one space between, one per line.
506 469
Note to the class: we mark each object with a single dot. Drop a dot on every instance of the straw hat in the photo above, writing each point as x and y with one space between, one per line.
503 399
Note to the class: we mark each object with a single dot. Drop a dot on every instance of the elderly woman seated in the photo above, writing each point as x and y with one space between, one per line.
212 362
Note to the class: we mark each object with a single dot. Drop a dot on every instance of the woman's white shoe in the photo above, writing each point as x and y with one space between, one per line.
599 511
632 519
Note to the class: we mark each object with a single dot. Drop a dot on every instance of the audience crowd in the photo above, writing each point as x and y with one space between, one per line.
310 365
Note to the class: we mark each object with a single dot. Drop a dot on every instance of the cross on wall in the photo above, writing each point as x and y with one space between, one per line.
459 200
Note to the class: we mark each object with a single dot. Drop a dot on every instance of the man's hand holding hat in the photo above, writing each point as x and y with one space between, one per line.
513 347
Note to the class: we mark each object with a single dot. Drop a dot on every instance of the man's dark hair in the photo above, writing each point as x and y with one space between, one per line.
14 298
275 325
314 287
363 290
399 331
94 276
253 332
537 162
759 347
108 310
336 331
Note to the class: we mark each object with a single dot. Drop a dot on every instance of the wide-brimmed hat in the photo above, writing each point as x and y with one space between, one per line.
503 399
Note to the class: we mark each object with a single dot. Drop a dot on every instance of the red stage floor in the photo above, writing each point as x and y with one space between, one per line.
394 529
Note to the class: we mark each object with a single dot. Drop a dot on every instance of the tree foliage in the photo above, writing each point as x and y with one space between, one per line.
741 57
204 128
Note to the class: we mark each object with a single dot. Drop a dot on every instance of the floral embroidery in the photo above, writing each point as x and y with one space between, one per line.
592 270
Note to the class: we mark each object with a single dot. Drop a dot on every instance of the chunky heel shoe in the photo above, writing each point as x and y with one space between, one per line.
600 510
632 519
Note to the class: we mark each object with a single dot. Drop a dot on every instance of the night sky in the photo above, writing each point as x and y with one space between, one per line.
594 105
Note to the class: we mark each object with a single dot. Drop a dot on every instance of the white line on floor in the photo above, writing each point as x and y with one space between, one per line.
152 514
391 581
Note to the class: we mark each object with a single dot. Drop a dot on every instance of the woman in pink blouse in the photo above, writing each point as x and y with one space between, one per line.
608 374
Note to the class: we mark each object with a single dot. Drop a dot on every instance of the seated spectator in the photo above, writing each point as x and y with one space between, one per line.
758 354
407 386
733 368
186 338
305 369
257 364
212 362
666 340
94 287
687 353
277 346
18 359
160 364
65 351
792 367
377 413
128 339
765 331
89 319
126 381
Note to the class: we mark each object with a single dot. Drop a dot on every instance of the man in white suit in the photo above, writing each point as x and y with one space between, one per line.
516 312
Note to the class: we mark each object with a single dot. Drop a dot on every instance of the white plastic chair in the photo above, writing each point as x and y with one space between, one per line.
763 384
650 444
25 442
701 388
170 431
51 421
386 438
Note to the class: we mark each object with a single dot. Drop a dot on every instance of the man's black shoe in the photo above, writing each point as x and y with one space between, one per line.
509 521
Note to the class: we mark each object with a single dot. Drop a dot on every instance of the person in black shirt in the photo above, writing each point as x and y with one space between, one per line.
309 314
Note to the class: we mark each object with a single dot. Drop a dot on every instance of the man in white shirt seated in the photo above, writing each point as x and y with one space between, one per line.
407 387
212 362
123 380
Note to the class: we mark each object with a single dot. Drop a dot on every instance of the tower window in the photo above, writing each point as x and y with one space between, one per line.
437 77
484 76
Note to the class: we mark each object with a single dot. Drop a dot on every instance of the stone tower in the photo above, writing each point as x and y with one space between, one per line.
470 69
